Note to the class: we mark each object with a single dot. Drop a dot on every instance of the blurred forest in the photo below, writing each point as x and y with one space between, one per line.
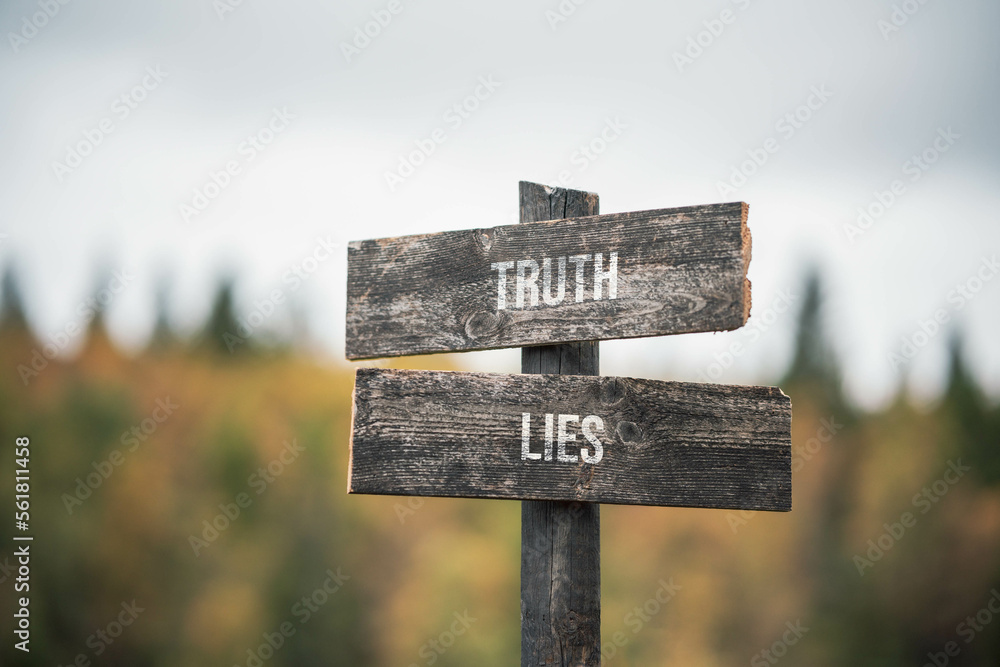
140 463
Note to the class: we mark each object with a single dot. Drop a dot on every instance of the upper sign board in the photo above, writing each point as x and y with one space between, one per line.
623 275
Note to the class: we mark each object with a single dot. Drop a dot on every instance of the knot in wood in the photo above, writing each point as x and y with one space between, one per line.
629 431
570 624
484 237
613 390
484 324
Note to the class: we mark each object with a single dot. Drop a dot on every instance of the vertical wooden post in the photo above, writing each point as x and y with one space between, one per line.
560 541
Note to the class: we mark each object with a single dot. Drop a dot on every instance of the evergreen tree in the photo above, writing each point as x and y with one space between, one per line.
812 358
813 379
163 335
96 306
814 365
12 315
222 332
974 425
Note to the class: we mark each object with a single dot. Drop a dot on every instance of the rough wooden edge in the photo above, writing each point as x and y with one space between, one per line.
549 189
771 392
791 453
350 437
774 391
746 250
355 244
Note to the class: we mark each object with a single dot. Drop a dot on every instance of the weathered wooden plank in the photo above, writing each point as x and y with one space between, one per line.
560 583
633 441
677 270
560 541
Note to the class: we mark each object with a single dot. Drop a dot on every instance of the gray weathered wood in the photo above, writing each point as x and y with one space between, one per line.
560 584
560 541
679 270
430 433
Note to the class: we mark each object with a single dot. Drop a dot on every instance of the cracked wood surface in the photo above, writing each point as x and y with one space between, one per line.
680 270
435 433
560 541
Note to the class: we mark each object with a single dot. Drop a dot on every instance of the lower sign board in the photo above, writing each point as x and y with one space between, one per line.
570 437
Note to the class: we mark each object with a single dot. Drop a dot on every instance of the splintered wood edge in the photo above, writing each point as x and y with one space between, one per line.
782 394
549 189
746 250
745 254
350 438
781 410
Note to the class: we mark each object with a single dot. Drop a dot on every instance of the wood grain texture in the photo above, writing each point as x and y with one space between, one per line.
430 433
560 584
679 270
560 541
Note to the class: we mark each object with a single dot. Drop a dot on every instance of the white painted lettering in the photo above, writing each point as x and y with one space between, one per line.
548 437
526 452
590 424
528 292
611 275
579 260
558 435
563 437
547 282
502 268
530 281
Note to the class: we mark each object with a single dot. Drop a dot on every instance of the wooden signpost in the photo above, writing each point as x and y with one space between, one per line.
552 437
598 277
570 437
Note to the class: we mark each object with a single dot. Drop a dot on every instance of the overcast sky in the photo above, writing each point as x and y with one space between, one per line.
671 100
